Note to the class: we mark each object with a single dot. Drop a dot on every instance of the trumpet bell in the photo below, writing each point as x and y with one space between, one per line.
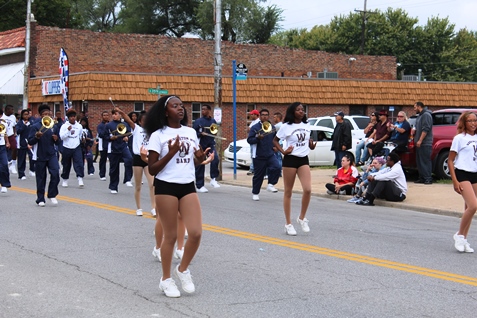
3 129
266 127
214 129
47 123
121 129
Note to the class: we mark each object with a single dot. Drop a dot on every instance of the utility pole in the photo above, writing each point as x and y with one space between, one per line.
26 74
218 79
363 27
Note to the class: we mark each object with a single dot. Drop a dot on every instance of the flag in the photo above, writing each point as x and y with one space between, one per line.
64 81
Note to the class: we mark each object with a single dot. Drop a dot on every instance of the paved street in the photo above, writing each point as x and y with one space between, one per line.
91 257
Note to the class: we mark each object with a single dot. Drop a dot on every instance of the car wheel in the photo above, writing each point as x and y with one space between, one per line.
442 167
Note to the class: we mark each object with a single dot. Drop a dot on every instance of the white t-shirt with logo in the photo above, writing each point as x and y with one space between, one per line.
296 135
10 122
465 146
139 139
180 169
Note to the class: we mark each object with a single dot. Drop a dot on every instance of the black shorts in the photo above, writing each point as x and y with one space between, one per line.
463 175
138 162
177 190
290 161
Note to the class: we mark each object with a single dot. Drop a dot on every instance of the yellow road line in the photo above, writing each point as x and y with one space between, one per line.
467 280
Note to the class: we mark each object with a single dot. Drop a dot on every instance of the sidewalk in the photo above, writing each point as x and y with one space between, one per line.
435 198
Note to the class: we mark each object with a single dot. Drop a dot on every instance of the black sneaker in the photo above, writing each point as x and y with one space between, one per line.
427 182
419 181
365 202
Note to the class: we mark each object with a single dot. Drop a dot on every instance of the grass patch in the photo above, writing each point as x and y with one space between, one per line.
444 181
325 167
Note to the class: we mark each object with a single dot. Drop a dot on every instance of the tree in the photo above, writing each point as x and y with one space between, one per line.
242 20
98 15
168 17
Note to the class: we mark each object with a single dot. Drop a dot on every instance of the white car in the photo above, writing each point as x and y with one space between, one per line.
358 123
320 156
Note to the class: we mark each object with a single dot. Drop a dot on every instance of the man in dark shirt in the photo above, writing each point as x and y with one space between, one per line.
44 141
202 127
103 134
423 142
342 139
380 133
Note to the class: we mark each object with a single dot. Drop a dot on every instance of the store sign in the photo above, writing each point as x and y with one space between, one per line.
50 88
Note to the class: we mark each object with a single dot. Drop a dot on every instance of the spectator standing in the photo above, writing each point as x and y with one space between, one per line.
264 158
346 177
362 153
380 134
423 143
400 131
389 183
341 138
103 134
254 114
463 169
202 127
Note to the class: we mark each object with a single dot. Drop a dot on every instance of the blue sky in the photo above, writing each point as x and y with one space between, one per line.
308 13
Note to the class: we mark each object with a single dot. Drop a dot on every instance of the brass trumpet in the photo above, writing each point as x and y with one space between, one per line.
266 128
47 123
3 129
121 129
214 129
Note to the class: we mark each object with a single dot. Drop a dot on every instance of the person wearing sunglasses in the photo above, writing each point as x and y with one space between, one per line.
400 131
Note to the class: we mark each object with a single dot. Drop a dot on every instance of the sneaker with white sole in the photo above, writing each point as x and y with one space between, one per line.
64 183
255 197
156 252
13 170
32 173
114 191
178 253
23 178
169 288
459 242
153 212
214 183
467 247
102 178
139 212
202 190
304 224
54 201
271 188
186 280
41 204
290 230
4 190
330 192
80 182
353 199
129 184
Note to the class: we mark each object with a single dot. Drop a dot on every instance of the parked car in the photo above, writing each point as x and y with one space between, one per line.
320 156
358 123
444 129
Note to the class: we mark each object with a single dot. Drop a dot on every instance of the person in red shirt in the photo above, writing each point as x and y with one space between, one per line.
346 177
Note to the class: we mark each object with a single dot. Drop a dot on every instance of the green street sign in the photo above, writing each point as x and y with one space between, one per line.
158 91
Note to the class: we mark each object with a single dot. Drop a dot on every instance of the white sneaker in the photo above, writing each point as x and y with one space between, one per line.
80 182
185 279
54 201
169 288
13 170
129 184
304 224
32 173
102 179
467 247
23 178
114 192
64 183
214 183
4 190
41 204
459 242
156 252
271 188
202 190
139 212
179 253
255 197
91 174
290 230
153 212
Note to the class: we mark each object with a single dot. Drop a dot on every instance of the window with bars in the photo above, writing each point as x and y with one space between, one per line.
196 111
138 106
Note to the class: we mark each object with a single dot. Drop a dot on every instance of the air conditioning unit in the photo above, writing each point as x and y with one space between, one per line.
410 78
328 75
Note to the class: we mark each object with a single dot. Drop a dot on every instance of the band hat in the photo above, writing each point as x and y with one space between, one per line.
42 108
383 112
255 112
339 113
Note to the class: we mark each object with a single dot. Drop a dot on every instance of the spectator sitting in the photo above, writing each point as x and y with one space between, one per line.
376 165
389 184
346 177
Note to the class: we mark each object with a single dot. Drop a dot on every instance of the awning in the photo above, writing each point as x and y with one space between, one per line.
11 79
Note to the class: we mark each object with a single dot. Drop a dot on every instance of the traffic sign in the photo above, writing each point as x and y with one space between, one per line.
241 72
158 91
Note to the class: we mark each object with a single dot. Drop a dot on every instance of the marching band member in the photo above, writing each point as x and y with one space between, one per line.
71 133
23 129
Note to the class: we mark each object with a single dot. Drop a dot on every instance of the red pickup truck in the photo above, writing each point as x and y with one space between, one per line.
444 129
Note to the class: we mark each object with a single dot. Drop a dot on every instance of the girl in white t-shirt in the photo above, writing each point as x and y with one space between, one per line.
174 151
295 131
463 169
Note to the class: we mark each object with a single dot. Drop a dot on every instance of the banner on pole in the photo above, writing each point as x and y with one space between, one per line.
64 81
